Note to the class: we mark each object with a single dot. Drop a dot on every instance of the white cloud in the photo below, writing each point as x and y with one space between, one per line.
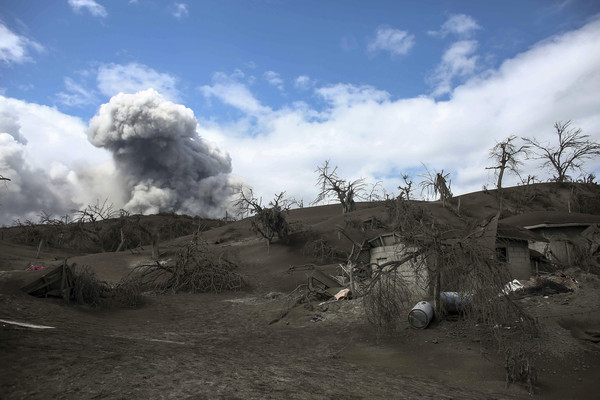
76 94
368 134
349 43
15 48
47 130
457 61
46 154
180 10
350 95
457 24
274 79
90 5
363 130
134 77
231 91
395 41
303 82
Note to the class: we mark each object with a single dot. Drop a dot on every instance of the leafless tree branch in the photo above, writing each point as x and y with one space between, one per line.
569 155
331 185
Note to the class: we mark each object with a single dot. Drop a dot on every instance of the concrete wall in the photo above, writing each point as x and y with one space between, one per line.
518 260
414 274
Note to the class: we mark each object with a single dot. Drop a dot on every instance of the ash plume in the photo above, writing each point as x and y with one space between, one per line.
30 190
161 161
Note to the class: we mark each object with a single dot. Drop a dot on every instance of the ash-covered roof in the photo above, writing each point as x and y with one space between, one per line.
551 219
506 231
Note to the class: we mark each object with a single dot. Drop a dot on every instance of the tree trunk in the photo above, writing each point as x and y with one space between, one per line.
122 242
155 251
37 255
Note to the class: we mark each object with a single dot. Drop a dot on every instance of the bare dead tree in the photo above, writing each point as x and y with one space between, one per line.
267 221
88 220
530 180
569 154
4 179
506 158
436 183
374 192
406 189
95 212
331 185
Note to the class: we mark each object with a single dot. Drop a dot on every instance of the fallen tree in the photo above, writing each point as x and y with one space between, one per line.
197 268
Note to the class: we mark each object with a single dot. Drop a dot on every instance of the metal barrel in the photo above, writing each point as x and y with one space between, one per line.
420 316
455 302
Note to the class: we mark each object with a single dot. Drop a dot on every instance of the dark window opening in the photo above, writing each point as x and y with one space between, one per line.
501 254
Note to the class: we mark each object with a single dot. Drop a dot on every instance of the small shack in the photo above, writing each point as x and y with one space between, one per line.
512 247
562 232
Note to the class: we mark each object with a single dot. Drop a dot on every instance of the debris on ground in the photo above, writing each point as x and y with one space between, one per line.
317 318
35 268
342 294
25 324
551 284
57 283
513 286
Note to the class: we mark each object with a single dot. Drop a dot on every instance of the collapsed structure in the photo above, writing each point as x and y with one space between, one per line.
528 244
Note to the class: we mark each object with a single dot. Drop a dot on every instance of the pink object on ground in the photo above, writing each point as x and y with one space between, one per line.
342 294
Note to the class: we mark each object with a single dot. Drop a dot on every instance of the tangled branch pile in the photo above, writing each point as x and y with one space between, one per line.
90 291
197 269
386 303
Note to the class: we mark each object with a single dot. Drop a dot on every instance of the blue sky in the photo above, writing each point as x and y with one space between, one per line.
378 87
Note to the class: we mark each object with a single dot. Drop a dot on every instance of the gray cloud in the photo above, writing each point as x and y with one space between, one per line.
9 124
162 162
31 190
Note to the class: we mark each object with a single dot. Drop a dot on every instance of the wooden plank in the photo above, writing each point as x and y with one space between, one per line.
324 279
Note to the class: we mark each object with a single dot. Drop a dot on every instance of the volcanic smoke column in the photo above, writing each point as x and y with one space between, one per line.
163 163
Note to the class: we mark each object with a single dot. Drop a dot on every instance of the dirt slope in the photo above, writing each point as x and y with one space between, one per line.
223 347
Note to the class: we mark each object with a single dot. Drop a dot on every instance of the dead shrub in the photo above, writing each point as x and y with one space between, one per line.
88 289
353 223
386 303
321 250
586 254
519 363
197 269
127 293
